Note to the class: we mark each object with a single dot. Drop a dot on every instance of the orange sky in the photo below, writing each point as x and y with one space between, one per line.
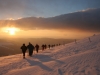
18 33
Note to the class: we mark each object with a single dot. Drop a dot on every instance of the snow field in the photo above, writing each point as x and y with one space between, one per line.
81 58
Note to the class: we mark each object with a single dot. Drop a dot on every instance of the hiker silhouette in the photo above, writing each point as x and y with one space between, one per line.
49 46
42 47
45 46
24 48
30 48
37 47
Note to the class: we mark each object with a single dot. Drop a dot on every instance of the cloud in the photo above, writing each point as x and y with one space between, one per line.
88 9
10 5
17 8
11 8
81 21
46 8
10 19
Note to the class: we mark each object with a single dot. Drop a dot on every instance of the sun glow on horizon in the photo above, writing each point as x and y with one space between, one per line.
10 30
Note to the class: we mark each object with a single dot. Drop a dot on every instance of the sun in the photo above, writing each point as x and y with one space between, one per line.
11 30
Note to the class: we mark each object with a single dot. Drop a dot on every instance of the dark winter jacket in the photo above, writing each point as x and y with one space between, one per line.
30 47
24 48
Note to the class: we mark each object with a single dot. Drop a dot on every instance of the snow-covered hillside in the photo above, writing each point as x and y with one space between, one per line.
81 58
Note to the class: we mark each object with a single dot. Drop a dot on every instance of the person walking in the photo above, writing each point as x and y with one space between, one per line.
37 47
89 39
75 41
31 48
45 46
49 46
24 48
42 47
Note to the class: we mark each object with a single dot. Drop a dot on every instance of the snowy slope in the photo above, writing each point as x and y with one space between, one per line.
82 58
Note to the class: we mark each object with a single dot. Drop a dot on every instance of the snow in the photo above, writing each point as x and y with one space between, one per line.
81 58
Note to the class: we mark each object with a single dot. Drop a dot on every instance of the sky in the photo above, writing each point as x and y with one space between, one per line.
43 8
19 9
